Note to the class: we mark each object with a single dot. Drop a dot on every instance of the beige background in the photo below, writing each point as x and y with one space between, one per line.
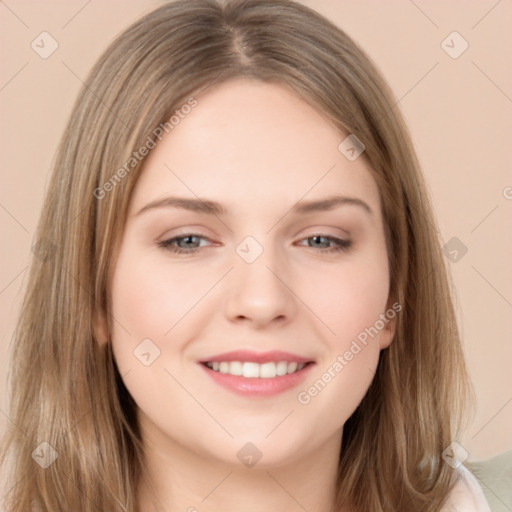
459 112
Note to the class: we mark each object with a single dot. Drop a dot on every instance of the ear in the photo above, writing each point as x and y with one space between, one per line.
100 328
390 320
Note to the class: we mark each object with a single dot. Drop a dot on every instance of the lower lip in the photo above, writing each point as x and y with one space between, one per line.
258 387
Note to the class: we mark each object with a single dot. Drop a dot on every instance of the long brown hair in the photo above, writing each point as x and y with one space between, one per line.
65 389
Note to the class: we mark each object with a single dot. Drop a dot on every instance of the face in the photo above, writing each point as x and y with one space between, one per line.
251 273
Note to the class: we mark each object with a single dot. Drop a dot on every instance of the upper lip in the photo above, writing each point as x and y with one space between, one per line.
256 357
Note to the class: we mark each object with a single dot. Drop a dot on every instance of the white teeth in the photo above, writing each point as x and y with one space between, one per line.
268 370
254 370
292 367
251 370
236 368
282 368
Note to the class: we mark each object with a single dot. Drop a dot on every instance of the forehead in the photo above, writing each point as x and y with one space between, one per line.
248 141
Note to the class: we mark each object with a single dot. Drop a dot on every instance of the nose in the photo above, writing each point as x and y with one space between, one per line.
259 293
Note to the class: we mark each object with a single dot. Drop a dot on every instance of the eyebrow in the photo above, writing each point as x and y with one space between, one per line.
209 207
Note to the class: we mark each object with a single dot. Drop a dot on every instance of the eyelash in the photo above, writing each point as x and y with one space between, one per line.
341 245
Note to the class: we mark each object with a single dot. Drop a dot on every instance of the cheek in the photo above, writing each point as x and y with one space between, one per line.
349 298
149 299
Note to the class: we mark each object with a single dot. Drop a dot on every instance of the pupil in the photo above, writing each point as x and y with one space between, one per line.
317 239
188 239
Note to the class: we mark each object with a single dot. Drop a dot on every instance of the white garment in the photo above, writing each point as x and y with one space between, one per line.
467 495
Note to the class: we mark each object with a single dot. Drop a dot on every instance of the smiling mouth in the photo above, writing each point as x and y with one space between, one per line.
252 370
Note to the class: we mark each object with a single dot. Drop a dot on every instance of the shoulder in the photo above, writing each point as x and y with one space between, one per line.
467 495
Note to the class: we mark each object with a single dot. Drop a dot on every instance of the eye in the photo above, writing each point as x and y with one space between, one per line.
339 244
188 243
188 246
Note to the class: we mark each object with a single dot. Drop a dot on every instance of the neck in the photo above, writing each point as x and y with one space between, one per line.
177 478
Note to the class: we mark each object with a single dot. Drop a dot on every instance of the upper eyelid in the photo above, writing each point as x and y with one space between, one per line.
202 235
320 231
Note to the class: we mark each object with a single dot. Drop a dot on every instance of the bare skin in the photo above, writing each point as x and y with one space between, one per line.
257 149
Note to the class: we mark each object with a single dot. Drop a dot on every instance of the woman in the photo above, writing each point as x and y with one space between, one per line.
303 353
